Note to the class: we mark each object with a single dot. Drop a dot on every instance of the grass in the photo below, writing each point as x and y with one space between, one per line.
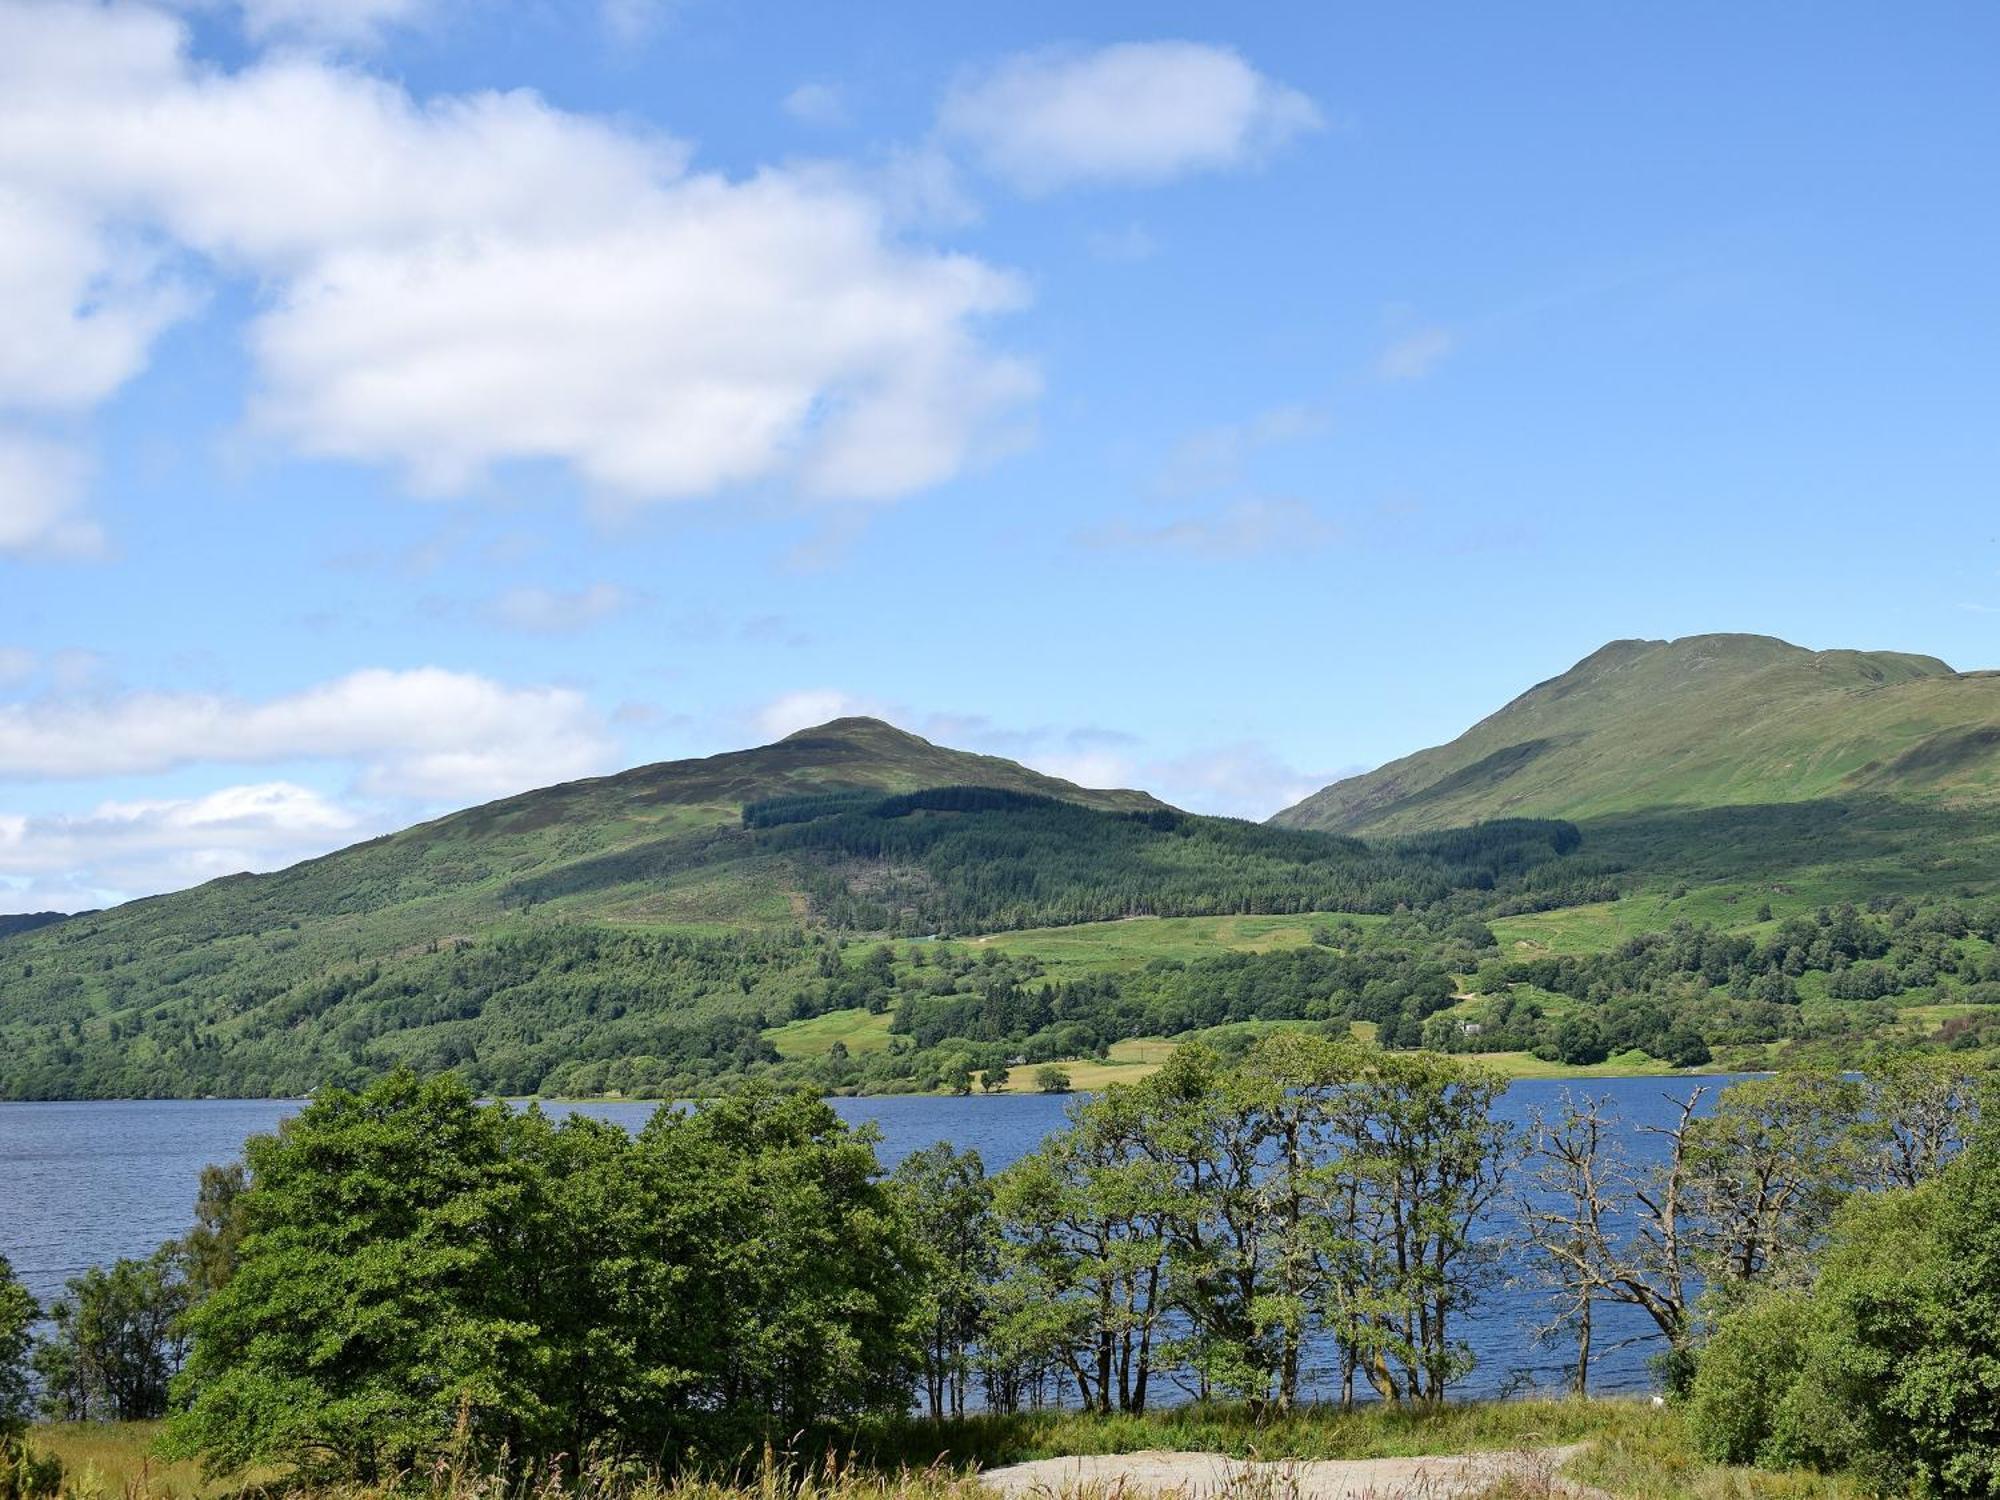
116 1459
1107 947
1631 1450
1371 1430
1634 1064
1129 1061
857 1028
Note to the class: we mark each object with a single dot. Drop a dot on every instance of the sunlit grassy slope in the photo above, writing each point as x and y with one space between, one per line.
1107 947
1702 722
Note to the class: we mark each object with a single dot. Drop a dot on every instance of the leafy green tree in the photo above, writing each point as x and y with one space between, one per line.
118 1341
1257 1208
1925 1108
1769 1168
1087 1217
375 1295
209 1249
949 1202
789 1279
1579 1041
17 1318
1417 1133
413 1265
1889 1364
1050 1079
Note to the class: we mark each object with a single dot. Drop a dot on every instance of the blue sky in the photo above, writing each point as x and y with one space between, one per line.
408 401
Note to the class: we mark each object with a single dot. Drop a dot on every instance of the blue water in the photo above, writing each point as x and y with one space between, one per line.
83 1184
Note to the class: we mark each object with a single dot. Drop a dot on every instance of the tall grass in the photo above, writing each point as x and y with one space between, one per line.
1626 1449
1314 1432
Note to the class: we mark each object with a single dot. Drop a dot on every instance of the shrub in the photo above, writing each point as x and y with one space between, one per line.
1744 1376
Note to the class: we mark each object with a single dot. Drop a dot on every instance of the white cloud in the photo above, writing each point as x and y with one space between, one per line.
424 733
1135 112
475 279
17 665
41 492
817 104
123 849
328 22
1413 355
551 611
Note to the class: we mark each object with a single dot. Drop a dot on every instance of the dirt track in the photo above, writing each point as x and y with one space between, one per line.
1197 1475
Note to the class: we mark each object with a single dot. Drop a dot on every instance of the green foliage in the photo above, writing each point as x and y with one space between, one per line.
1890 1365
117 1341
948 1201
1740 1404
414 1265
27 1473
17 1318
1314 1187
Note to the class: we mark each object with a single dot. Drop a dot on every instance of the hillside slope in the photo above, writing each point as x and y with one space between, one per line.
662 918
1706 721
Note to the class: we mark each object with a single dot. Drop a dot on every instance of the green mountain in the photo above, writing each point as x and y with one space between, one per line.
663 918
1704 722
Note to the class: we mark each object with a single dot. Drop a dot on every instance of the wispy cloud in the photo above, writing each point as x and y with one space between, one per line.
554 611
1415 354
1132 113
1243 528
818 104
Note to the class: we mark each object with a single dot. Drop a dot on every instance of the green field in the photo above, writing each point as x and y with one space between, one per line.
862 1033
1107 947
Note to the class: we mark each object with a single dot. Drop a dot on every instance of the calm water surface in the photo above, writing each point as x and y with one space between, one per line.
83 1184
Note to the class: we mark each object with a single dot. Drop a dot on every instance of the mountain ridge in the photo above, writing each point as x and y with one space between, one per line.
1698 721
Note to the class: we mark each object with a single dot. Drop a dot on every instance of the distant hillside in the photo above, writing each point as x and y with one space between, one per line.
663 918
1707 721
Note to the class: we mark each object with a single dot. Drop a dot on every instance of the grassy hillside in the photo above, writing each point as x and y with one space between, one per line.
1703 722
777 910
662 920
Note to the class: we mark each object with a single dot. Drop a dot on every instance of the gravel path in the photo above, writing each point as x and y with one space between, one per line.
1199 1475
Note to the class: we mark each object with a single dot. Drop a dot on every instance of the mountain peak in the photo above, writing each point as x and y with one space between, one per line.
1718 719
852 726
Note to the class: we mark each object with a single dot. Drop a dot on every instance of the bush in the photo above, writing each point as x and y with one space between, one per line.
17 1316
1744 1377
1891 1367
26 1474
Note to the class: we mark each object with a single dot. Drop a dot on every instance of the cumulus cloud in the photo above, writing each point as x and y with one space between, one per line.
41 492
461 282
424 733
328 22
553 611
122 849
1135 112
